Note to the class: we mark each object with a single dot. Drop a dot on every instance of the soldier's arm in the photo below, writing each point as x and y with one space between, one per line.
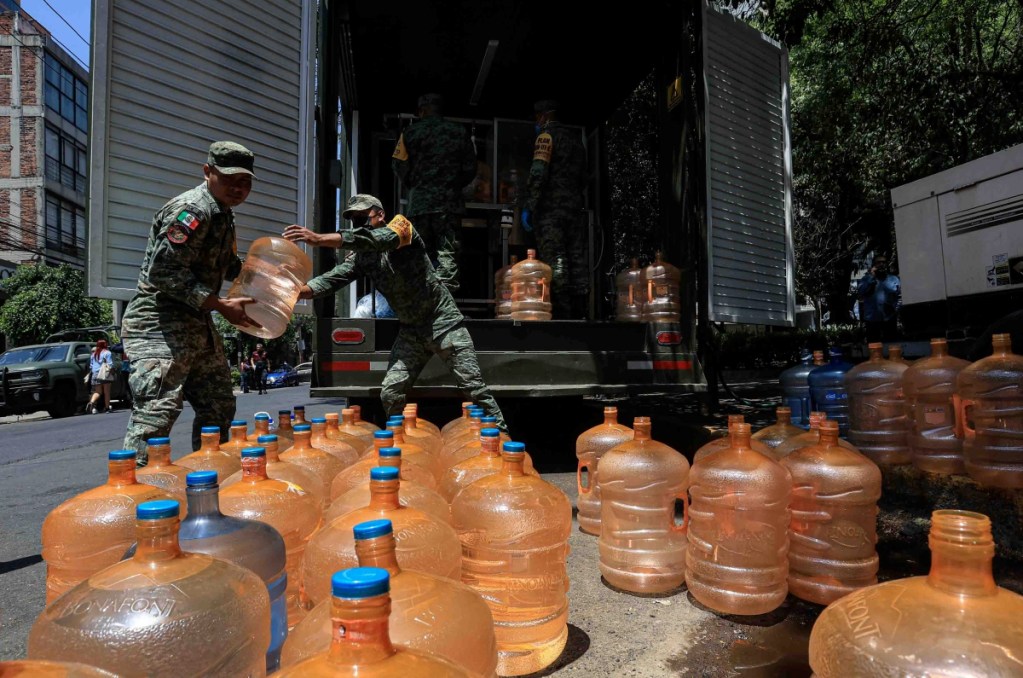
399 159
178 246
539 170
397 234
336 278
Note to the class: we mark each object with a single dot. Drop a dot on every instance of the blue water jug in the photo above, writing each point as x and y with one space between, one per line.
827 389
796 389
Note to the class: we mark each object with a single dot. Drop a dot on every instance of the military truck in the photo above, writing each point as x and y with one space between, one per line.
321 90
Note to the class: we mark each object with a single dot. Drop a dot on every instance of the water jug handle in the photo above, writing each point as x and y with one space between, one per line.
544 294
632 301
963 429
649 290
684 527
579 478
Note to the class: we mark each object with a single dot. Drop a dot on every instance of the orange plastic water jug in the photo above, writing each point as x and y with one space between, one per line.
811 437
285 434
415 466
161 472
663 299
780 431
239 438
334 432
530 282
724 442
630 290
929 387
349 426
276 469
590 446
339 449
878 426
412 494
273 273
322 465
209 456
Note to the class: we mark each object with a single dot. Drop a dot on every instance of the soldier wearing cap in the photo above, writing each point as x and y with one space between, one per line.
167 329
435 158
394 256
554 208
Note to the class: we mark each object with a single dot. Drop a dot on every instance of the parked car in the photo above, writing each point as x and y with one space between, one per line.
50 377
284 375
305 371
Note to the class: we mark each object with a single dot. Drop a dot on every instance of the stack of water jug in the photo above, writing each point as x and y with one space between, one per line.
327 547
650 294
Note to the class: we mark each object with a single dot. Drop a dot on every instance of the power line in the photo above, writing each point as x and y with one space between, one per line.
68 23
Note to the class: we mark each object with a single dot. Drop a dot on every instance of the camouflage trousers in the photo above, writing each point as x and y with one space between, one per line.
409 355
561 241
439 231
165 372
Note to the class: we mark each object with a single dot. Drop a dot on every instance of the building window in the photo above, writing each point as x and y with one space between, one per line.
65 226
66 160
66 94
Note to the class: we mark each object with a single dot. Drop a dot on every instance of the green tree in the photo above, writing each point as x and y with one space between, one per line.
42 300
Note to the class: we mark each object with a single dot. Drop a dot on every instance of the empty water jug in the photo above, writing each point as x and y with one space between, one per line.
833 532
737 562
780 431
514 531
954 622
411 493
416 467
990 416
360 635
878 426
91 531
135 617
209 456
428 613
642 548
341 450
590 446
796 389
663 297
724 442
929 388
322 465
286 471
630 290
273 273
827 388
530 282
161 472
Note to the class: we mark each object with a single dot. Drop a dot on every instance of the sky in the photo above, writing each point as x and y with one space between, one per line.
76 12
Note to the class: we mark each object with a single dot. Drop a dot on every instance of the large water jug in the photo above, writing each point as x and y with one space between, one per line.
285 434
134 617
929 388
630 290
428 613
360 635
252 544
724 442
502 290
362 423
424 543
351 427
737 562
642 548
412 494
273 273
238 438
827 388
796 389
663 298
457 423
412 410
92 530
514 530
415 435
294 513
486 462
161 472
209 456
833 532
322 465
415 466
454 440
530 282
590 446
468 446
990 415
27 668
878 426
342 451
334 432
954 622
780 431
286 471
409 448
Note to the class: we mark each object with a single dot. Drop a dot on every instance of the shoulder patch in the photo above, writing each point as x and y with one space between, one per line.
400 152
403 227
177 233
188 219
543 147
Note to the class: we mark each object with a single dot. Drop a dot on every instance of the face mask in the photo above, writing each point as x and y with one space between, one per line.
360 221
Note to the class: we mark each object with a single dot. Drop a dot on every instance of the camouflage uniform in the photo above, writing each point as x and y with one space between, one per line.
430 321
557 179
435 159
175 351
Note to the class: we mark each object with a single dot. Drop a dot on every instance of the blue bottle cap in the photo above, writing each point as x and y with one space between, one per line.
287 412
490 432
319 420
239 422
158 441
383 473
201 479
254 452
488 420
514 448
266 439
389 452
383 434
360 582
372 529
262 416
155 510
396 417
303 427
121 455
211 429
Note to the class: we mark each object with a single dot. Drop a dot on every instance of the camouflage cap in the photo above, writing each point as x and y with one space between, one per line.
431 99
359 203
231 158
545 105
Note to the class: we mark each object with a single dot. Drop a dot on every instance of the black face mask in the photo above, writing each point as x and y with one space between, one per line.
360 221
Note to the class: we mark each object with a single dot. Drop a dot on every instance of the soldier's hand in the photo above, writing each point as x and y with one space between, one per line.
527 221
234 311
305 292
296 233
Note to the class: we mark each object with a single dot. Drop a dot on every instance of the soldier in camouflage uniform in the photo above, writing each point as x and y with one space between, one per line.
554 206
394 256
436 160
176 353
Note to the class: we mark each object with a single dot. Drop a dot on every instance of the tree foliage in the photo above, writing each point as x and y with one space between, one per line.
42 300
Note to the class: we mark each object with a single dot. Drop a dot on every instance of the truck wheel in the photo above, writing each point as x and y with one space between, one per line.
63 402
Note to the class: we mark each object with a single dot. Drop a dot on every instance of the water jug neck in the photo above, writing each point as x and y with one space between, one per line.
254 469
273 451
284 422
121 472
411 421
203 501
157 540
895 353
383 494
399 433
356 413
332 421
238 433
939 348
735 419
159 455
530 255
361 633
511 463
299 415
784 415
610 415
740 436
393 461
961 552
302 439
490 446
828 435
262 427
348 416
876 351
319 429
378 552
1002 344
641 428
210 442
383 441
815 420
465 409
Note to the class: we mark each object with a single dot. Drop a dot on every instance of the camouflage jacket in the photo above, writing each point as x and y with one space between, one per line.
403 274
191 251
435 159
557 177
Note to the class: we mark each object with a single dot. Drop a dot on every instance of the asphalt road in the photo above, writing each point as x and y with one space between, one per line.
46 461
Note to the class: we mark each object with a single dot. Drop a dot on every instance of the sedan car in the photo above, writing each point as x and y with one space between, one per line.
284 375
305 371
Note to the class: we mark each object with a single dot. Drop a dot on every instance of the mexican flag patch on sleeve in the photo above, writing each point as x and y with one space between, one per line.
188 219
